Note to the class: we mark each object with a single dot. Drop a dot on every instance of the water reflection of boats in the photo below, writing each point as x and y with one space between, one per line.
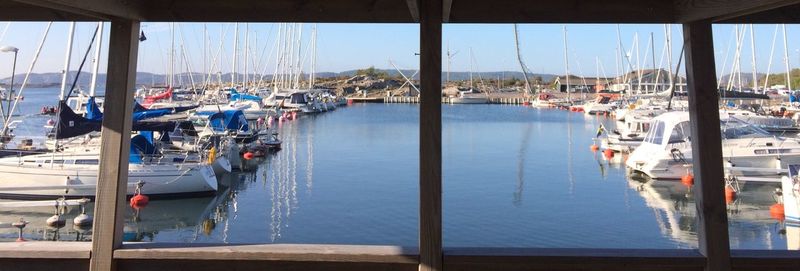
675 212
163 215
140 225
672 206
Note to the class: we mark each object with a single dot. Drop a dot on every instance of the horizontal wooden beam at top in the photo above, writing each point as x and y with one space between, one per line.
98 9
13 11
397 11
787 14
719 10
334 11
561 11
277 252
45 250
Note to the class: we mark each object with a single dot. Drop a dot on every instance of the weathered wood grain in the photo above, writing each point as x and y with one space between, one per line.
430 136
709 190
115 147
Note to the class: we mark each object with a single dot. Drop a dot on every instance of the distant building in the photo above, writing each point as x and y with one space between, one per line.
646 81
581 84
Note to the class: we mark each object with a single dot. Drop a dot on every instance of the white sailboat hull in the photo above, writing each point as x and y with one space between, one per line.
77 181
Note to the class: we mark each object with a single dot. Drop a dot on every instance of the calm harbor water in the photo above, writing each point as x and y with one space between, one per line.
513 177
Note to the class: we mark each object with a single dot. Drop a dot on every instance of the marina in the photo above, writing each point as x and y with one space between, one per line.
329 185
249 145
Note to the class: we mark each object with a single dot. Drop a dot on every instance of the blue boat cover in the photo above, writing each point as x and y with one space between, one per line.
140 148
70 124
236 96
93 111
228 120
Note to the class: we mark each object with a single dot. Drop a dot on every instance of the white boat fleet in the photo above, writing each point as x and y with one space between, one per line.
169 156
656 137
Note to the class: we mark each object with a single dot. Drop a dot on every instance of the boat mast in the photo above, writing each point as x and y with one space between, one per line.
96 64
653 51
172 55
11 97
246 52
470 68
566 64
786 59
65 74
235 48
311 75
753 52
521 63
205 56
668 40
771 55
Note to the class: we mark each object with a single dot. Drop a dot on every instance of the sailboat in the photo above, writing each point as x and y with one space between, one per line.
470 96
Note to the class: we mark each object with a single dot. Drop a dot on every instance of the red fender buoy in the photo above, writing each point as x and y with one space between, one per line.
687 180
139 201
608 153
594 148
730 194
777 211
248 155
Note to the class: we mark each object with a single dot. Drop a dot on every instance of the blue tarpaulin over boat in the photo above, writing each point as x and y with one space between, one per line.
141 147
151 113
141 113
236 96
71 124
92 110
228 120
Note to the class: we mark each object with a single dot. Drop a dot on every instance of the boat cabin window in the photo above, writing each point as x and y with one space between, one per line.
655 135
735 128
87 162
680 133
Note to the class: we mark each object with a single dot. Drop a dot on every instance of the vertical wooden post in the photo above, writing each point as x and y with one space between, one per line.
712 216
430 136
117 114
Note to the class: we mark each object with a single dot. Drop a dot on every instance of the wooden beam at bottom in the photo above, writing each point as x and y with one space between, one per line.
114 150
477 259
712 216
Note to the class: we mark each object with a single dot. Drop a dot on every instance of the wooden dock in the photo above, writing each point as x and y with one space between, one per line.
446 100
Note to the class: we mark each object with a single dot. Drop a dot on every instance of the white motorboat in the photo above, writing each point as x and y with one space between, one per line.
629 135
603 104
300 100
666 152
768 123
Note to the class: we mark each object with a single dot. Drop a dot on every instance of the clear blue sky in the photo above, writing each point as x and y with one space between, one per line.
352 46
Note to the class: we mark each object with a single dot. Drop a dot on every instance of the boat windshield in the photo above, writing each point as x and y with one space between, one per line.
655 135
735 128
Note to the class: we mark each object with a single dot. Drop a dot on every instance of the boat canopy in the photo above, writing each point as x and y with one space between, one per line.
674 127
70 124
142 113
141 147
236 96
92 110
298 98
228 120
